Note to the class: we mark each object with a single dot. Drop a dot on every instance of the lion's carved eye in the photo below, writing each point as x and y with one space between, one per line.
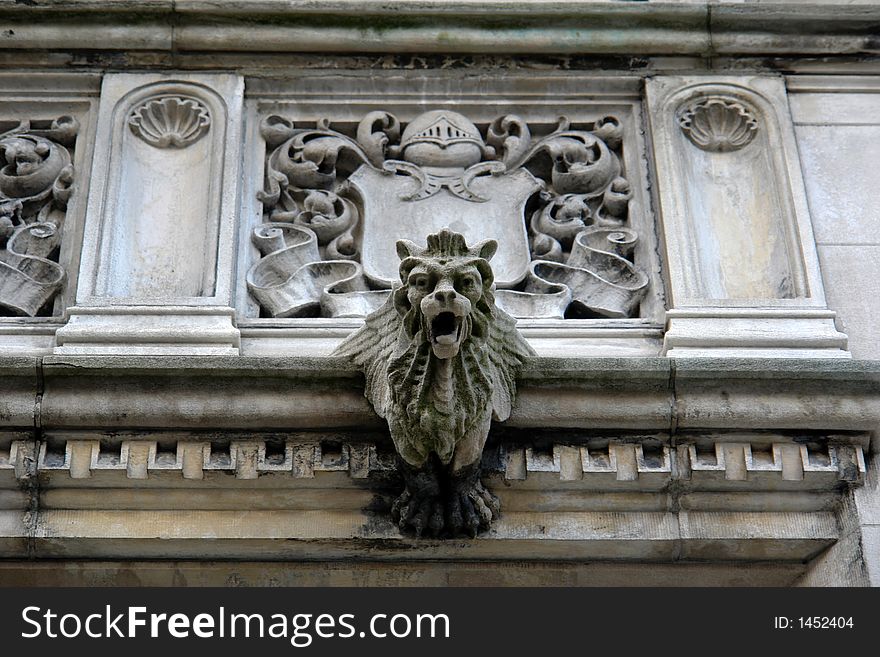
420 282
467 283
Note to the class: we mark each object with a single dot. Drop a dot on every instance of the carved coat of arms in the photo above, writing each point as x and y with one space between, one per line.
443 183
337 203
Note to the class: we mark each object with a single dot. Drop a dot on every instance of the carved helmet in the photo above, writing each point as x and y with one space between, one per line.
442 138
441 127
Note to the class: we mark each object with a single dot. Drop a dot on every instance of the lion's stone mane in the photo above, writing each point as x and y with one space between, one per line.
430 412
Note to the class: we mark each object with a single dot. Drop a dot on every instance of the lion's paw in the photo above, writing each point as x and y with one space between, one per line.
470 509
437 504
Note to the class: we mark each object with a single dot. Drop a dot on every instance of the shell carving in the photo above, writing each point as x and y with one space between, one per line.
718 124
170 121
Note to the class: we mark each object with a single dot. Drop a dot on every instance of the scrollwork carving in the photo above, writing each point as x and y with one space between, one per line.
375 132
35 185
543 192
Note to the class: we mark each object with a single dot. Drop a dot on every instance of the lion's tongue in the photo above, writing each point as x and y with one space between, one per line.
445 329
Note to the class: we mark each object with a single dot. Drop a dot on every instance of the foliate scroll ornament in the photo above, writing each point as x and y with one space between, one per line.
170 121
718 123
440 361
36 181
556 199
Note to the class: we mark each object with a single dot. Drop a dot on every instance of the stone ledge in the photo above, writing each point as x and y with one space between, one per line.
342 534
400 574
426 26
298 393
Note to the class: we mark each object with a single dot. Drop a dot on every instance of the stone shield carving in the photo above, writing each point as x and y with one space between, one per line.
557 204
440 361
35 184
495 207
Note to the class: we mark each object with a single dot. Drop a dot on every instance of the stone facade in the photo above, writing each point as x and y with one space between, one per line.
201 202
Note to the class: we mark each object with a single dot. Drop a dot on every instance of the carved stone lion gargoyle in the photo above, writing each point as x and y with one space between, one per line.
440 361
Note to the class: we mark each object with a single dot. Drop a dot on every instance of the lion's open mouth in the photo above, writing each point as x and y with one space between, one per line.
445 328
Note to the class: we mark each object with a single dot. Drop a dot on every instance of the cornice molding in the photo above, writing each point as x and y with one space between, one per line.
461 26
299 393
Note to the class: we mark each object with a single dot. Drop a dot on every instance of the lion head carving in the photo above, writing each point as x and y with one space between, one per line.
440 361
446 292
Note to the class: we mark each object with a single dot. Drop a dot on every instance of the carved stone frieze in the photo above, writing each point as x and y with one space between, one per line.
170 121
441 362
36 181
554 197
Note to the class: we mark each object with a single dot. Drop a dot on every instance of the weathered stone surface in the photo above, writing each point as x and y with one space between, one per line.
870 550
837 161
338 534
867 498
581 339
778 393
13 534
845 562
19 384
292 393
851 293
756 536
627 393
329 573
837 127
761 27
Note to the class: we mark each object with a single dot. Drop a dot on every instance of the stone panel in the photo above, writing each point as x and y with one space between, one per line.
341 111
158 246
743 272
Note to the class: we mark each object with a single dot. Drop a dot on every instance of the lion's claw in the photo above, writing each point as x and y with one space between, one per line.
417 513
472 509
